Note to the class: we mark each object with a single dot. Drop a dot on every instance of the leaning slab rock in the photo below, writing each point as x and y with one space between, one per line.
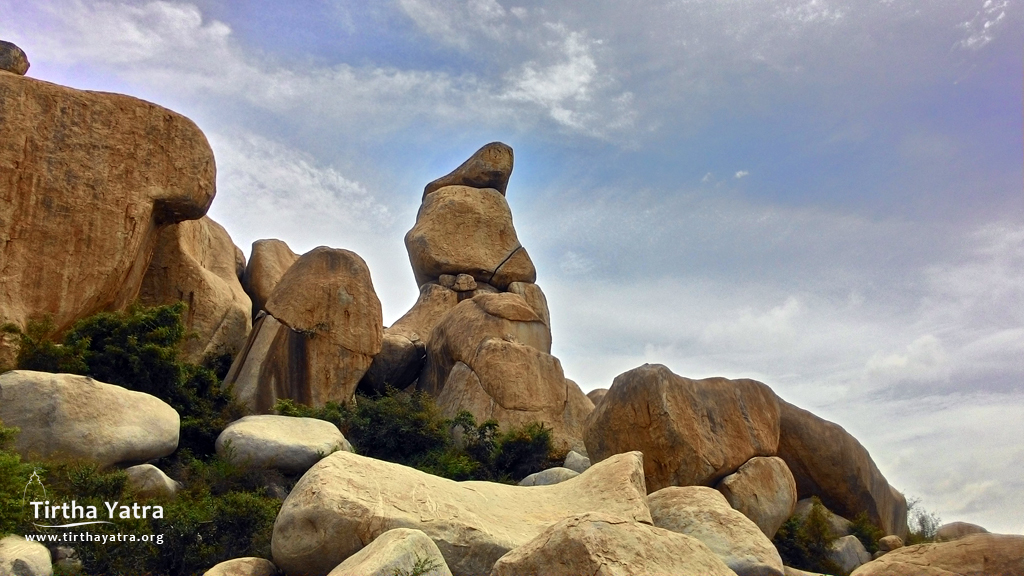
346 501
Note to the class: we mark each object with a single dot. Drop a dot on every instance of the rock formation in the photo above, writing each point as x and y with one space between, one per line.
289 444
973 555
268 262
488 167
14 59
763 489
398 551
957 530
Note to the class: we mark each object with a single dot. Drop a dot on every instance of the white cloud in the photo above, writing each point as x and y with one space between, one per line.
922 361
741 174
981 29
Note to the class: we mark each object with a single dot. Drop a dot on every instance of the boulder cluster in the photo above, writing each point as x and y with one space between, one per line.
104 201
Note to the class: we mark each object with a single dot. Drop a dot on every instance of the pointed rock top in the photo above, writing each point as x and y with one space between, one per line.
489 167
13 59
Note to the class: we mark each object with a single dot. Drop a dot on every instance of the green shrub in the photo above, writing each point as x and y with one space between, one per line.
805 544
14 480
865 530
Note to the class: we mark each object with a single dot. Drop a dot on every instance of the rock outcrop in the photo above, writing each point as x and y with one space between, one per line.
691 432
194 262
488 167
398 551
286 443
14 59
956 530
268 261
322 329
973 555
346 501
21 557
763 489
87 180
704 514
597 395
829 463
70 416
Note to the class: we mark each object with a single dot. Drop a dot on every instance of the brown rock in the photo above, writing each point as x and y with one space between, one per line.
239 264
831 464
268 262
194 262
87 179
433 303
534 298
398 552
973 555
464 283
461 230
763 489
13 59
488 167
691 432
319 338
956 530
397 365
889 543
597 395
346 501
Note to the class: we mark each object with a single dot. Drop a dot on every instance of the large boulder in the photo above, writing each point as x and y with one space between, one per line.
488 167
691 432
14 60
763 489
597 395
957 530
601 544
973 555
194 262
148 481
467 230
346 501
549 477
249 566
848 553
433 304
397 365
322 329
21 557
534 298
268 261
285 443
399 551
704 514
70 416
87 180
828 462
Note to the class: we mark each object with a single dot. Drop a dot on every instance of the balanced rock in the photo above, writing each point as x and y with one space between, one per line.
70 416
286 443
322 329
848 553
346 501
829 463
88 179
462 230
601 544
194 262
691 432
956 530
488 167
549 477
268 261
148 481
972 555
763 489
398 551
14 59
21 557
249 566
704 514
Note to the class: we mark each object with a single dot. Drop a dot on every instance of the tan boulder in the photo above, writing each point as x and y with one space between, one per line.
268 261
321 333
600 544
71 416
956 530
462 230
763 489
597 395
549 477
847 552
397 365
889 543
972 555
401 551
148 481
87 180
828 462
488 167
704 514
194 262
249 566
13 59
691 432
286 443
22 557
534 298
346 501
433 304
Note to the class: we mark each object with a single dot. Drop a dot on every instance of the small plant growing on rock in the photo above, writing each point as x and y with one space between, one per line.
921 523
422 567
805 544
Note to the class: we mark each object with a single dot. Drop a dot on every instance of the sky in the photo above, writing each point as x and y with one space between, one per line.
823 195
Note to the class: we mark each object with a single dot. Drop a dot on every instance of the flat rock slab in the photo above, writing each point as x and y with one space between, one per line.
70 416
973 555
346 501
286 443
400 551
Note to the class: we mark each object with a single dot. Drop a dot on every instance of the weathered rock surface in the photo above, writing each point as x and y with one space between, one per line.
691 432
597 395
13 59
433 304
848 553
889 543
268 262
398 364
534 298
148 481
576 462
323 328
286 443
972 555
70 416
600 544
548 477
704 514
21 557
87 180
956 530
249 566
462 230
837 524
397 551
488 167
763 489
829 463
346 501
194 262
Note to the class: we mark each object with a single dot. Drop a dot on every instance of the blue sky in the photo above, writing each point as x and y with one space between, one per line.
824 195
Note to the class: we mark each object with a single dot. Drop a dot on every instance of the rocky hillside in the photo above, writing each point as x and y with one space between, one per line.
103 202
